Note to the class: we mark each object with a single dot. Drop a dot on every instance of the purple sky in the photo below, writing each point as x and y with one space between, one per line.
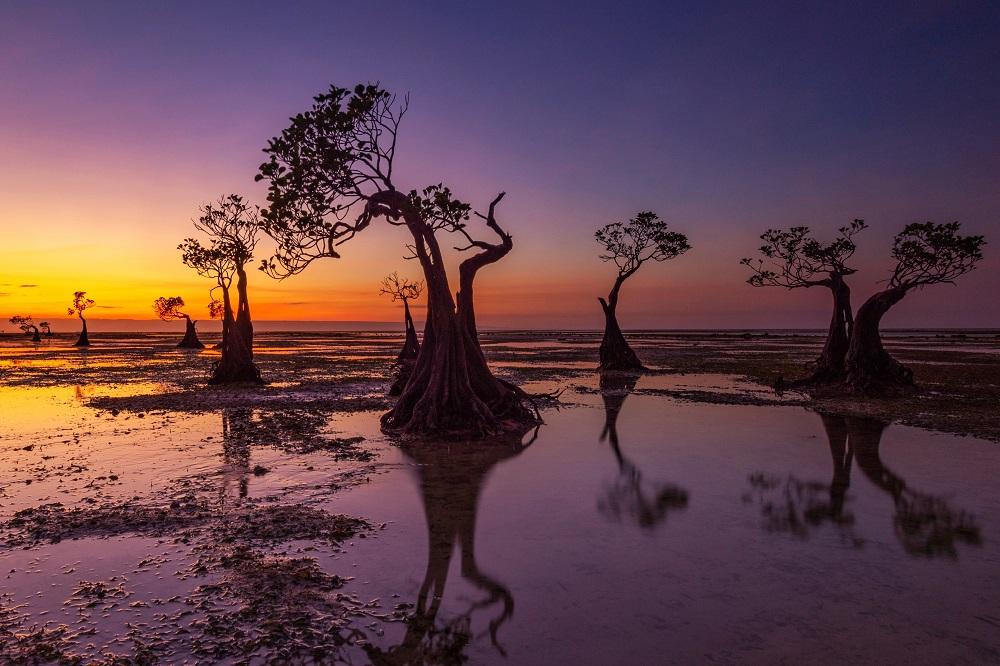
119 119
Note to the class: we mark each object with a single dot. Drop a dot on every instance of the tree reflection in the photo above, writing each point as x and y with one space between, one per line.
451 479
924 524
629 496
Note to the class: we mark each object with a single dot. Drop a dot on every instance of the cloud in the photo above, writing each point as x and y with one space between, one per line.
27 286
299 303
107 307
4 293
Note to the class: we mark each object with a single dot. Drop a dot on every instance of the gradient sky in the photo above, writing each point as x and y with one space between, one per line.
118 119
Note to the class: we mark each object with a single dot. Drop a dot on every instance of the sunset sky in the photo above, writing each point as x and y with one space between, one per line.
118 120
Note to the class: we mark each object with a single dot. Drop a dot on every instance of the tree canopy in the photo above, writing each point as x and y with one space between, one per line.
643 238
793 258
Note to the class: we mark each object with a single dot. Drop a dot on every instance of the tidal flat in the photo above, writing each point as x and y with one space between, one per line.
691 514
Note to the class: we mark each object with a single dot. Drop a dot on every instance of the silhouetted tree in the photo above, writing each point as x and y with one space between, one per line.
231 225
629 245
925 254
27 326
45 328
629 496
169 309
793 259
402 289
217 310
330 175
80 304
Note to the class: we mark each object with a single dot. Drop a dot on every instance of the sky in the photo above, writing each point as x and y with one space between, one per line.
119 119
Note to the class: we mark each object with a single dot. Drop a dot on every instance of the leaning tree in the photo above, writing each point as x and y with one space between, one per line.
27 326
330 174
81 304
405 290
793 259
629 245
169 309
46 328
231 225
925 254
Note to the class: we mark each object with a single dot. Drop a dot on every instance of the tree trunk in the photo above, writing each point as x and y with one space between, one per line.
830 364
451 388
83 340
869 366
616 354
236 364
190 340
615 387
411 346
35 336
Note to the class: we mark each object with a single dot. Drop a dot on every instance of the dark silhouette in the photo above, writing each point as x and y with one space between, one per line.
80 304
402 289
231 225
45 328
169 309
451 482
217 310
793 259
925 254
330 175
924 524
629 245
628 496
27 326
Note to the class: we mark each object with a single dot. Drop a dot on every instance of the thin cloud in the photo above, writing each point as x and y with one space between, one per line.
27 286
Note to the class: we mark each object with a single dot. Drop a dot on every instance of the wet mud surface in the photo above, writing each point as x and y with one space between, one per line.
147 518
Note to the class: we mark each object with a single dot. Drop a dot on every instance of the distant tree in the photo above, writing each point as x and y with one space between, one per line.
46 329
81 304
231 225
925 254
27 326
169 309
402 289
330 174
629 245
793 259
217 310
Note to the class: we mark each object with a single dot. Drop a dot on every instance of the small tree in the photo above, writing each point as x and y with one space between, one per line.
80 304
27 326
793 259
330 174
46 328
925 254
629 245
402 289
231 224
169 309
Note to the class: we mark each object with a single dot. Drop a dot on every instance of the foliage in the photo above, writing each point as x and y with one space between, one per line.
80 304
929 253
643 238
169 308
25 323
216 309
795 259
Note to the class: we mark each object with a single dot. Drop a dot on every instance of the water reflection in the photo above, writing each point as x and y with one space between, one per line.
630 497
450 480
237 426
925 524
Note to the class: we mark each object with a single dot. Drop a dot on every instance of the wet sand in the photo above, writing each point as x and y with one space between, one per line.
694 515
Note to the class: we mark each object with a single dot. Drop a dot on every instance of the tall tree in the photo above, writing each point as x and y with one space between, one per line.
330 174
80 305
925 254
27 326
794 259
629 245
169 309
405 290
231 225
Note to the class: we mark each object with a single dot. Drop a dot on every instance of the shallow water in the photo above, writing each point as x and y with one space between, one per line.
634 528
